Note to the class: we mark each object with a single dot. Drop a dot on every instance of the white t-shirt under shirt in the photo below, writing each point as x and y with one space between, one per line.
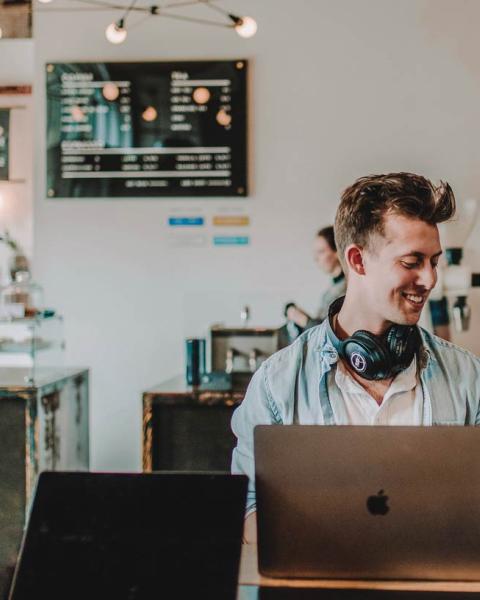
403 403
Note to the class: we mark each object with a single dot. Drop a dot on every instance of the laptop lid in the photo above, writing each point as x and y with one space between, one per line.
132 536
368 502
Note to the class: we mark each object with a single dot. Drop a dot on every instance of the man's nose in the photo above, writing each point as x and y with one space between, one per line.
427 277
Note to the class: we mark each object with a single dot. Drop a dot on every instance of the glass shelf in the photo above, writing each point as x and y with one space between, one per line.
32 343
38 319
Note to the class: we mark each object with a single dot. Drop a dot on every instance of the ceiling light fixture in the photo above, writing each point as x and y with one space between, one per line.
116 32
246 27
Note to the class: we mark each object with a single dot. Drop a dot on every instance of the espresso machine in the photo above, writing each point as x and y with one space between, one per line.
239 351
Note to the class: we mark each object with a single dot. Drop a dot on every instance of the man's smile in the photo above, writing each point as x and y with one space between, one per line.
415 300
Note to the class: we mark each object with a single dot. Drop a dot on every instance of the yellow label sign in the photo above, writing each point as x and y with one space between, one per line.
231 220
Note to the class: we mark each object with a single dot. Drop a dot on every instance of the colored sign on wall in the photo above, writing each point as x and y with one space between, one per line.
231 240
186 221
231 221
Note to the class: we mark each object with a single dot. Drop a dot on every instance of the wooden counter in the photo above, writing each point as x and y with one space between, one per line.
249 576
187 428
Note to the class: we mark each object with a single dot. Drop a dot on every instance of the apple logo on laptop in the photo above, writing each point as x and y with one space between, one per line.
377 505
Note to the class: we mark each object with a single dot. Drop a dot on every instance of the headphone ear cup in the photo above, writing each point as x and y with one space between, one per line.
402 343
367 355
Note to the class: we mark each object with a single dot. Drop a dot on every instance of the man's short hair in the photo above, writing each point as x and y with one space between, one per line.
364 205
328 235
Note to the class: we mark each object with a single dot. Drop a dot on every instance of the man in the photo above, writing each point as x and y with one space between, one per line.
390 373
326 257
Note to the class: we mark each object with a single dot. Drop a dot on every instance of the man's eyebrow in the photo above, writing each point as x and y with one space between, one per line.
421 255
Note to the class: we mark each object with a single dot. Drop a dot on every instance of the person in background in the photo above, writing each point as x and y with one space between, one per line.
325 255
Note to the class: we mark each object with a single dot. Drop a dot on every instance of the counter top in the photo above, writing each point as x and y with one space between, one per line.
176 391
249 576
14 379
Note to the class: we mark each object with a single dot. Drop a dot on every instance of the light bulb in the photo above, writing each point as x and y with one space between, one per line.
116 32
246 27
45 1
77 114
110 91
201 95
223 118
149 114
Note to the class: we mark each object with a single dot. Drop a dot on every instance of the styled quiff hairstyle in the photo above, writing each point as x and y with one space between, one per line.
364 205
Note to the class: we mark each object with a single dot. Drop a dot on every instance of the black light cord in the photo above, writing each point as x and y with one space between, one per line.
152 10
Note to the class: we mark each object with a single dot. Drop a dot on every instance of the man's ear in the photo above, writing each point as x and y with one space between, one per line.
354 259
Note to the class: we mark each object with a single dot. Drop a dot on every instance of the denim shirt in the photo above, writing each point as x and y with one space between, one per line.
291 387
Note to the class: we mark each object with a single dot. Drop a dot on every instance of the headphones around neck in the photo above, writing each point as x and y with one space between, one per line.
372 356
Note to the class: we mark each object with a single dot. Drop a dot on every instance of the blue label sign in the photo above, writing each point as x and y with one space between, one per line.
186 221
231 240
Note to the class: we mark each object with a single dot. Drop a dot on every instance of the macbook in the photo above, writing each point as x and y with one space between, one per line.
368 502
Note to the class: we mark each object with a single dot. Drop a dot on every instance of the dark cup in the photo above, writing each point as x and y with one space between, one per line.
195 360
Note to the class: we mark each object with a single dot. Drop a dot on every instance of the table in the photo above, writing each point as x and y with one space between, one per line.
253 586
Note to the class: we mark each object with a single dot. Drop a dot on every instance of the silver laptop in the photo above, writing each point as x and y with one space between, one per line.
368 502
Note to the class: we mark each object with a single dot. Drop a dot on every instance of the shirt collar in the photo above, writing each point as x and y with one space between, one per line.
404 381
338 278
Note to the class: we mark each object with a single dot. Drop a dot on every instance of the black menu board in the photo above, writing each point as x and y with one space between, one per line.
4 126
146 129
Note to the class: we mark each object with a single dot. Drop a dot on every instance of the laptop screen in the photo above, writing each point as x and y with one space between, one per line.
130 536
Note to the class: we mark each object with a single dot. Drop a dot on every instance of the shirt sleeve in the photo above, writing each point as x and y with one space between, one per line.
257 408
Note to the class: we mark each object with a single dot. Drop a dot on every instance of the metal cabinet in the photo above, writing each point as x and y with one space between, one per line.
42 427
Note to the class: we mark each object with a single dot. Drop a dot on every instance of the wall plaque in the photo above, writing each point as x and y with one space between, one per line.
146 129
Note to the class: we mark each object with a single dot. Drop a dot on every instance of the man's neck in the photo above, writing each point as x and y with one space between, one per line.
353 316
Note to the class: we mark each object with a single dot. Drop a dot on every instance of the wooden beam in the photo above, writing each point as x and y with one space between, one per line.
15 90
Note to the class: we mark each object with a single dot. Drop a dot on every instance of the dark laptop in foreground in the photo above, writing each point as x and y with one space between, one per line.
368 502
132 536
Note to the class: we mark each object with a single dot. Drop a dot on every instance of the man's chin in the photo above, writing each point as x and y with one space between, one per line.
407 318
410 319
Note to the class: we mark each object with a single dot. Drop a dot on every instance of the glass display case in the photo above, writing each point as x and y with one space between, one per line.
33 342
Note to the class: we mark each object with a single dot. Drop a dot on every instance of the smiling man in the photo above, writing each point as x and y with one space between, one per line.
369 363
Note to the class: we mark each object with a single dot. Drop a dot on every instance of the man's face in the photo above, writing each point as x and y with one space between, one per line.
324 256
401 269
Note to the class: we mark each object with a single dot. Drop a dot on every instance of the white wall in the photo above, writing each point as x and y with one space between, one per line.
339 89
16 63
